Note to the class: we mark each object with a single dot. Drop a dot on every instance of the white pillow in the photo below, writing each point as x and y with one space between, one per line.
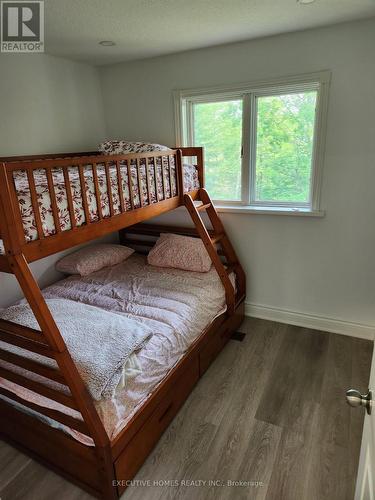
180 252
89 259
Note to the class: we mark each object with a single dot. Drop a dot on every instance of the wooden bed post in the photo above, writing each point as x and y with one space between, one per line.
200 165
180 176
199 154
11 239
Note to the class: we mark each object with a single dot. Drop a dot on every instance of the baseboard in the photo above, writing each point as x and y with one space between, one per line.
310 321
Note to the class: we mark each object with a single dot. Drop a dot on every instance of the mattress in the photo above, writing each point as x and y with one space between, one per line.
168 184
175 304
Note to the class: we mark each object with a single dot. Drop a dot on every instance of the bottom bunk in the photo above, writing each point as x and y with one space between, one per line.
186 313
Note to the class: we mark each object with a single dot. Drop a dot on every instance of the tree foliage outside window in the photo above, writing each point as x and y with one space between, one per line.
218 128
285 133
284 146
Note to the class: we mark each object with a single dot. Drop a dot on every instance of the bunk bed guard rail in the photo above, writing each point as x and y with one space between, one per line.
51 203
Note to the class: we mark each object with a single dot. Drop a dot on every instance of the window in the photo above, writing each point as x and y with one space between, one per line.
263 144
217 126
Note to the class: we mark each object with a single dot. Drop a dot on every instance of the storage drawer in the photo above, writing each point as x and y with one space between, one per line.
214 346
145 439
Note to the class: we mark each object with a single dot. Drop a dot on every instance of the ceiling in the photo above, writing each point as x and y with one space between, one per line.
147 28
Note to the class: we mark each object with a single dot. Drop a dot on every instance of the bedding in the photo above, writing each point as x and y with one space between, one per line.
92 258
176 305
180 252
191 183
122 147
84 328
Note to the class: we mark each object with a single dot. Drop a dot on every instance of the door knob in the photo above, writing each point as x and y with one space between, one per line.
355 398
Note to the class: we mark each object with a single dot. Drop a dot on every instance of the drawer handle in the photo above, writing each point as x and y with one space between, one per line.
166 411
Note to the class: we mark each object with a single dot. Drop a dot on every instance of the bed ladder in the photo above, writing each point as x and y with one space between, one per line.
219 237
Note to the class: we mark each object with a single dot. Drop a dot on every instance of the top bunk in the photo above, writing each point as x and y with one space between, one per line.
49 203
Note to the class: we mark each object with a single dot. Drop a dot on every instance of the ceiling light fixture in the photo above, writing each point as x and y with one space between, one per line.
305 2
107 43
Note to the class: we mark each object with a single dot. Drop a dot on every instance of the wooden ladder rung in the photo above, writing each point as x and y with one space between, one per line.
217 238
203 206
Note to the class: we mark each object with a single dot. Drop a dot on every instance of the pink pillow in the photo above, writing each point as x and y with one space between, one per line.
89 259
180 252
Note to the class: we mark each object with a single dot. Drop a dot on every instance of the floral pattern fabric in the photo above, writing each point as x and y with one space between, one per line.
125 147
161 187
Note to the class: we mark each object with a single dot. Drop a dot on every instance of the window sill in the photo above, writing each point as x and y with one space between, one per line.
245 209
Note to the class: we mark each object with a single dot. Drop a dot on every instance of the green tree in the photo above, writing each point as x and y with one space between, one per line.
285 127
218 128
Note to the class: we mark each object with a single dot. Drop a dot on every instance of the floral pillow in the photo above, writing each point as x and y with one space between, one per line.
127 147
180 252
92 258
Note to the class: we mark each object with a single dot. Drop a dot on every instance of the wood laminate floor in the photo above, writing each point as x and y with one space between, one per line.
269 415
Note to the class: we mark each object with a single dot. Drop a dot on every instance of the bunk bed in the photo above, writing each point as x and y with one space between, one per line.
52 203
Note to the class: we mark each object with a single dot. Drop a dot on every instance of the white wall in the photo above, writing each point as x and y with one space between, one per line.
47 105
321 267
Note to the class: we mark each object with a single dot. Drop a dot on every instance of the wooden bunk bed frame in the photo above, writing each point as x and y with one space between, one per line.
105 468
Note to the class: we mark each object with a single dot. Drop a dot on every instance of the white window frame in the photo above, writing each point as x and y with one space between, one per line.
184 101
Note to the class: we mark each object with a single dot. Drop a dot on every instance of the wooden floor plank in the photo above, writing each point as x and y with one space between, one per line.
35 482
11 463
288 475
270 410
258 462
296 380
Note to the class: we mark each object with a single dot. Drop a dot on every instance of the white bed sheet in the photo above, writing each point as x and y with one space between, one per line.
176 304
